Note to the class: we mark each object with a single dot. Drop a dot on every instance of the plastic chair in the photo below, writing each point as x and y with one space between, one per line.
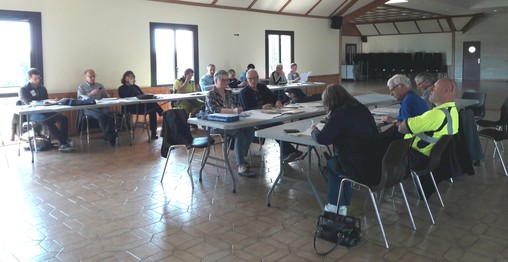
82 120
394 169
478 109
497 136
433 162
503 118
176 134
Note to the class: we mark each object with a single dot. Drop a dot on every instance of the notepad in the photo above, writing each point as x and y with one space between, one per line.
304 77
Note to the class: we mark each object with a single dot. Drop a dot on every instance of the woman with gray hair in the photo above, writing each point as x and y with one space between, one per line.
354 135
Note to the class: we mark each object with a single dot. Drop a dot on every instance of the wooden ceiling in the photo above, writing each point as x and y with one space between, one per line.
372 17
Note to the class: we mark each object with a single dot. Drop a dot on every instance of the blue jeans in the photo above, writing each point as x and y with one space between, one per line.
334 179
243 139
49 120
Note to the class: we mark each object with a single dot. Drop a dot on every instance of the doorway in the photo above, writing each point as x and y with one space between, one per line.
471 61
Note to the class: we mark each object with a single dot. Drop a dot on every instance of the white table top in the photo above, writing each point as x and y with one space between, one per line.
376 99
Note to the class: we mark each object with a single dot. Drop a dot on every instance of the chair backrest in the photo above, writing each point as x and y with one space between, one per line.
395 162
504 113
437 151
175 130
478 109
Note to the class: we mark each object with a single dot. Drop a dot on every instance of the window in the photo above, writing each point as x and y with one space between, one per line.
279 48
20 48
173 48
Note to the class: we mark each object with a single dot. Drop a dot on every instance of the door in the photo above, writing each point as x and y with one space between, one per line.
471 61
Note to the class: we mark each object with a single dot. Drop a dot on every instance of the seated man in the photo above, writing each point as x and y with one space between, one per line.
206 81
411 104
34 91
92 90
257 96
423 82
430 126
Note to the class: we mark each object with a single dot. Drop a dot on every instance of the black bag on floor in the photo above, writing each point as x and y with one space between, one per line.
338 229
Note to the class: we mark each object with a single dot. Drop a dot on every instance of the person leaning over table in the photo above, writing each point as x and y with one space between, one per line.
93 90
220 100
430 126
258 96
184 85
206 81
357 154
410 104
34 91
130 89
423 81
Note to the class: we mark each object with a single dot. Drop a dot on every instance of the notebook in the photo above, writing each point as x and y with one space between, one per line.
304 77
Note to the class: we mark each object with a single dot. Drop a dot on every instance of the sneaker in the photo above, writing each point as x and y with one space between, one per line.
243 171
343 210
331 208
66 148
293 156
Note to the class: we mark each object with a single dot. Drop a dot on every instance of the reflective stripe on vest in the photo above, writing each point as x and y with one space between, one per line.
433 140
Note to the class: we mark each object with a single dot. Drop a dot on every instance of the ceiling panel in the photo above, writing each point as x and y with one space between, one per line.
407 27
359 4
200 1
460 22
367 29
269 5
326 7
235 3
300 6
386 28
429 26
445 25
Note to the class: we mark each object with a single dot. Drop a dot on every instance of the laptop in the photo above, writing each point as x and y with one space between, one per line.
304 77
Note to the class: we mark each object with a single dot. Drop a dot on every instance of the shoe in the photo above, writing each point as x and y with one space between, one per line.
293 156
242 171
154 136
343 210
66 148
331 208
112 140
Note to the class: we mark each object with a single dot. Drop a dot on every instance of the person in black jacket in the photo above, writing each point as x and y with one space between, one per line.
354 135
35 91
130 89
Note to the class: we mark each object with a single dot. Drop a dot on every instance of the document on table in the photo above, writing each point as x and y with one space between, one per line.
385 111
258 114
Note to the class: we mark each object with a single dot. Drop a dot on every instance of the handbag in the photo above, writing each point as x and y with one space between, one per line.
338 229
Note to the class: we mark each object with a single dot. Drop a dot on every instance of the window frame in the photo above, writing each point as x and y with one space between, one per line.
153 55
34 19
279 33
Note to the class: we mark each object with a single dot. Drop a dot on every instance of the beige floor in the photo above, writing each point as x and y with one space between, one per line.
106 203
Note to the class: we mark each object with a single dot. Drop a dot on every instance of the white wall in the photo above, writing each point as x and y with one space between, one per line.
432 43
113 36
492 33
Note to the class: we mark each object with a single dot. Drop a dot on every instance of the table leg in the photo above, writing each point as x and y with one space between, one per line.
309 174
279 176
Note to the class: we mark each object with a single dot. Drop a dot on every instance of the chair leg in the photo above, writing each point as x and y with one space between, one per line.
407 205
166 165
87 130
501 158
437 189
189 162
419 187
373 198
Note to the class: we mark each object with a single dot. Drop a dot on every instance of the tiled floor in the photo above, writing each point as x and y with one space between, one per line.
105 203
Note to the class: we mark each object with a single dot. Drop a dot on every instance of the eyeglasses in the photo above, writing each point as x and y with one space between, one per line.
252 78
418 84
391 89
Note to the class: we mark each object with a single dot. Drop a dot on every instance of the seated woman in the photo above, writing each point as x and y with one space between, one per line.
354 135
183 85
220 100
130 89
294 77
